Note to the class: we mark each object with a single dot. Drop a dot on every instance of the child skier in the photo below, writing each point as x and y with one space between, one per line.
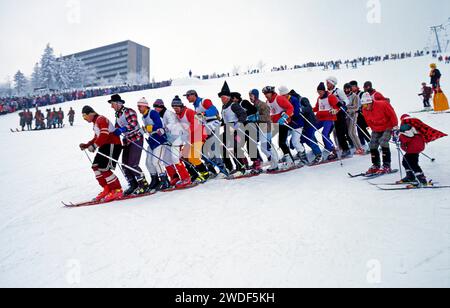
414 135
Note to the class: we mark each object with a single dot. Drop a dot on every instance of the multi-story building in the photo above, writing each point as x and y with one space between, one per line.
124 58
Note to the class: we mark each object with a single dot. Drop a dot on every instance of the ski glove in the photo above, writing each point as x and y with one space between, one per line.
118 132
284 119
254 118
92 148
159 132
84 146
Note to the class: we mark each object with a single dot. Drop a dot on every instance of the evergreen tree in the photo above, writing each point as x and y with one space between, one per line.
20 83
36 80
48 68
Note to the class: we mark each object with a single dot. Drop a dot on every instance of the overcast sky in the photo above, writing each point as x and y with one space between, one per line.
212 36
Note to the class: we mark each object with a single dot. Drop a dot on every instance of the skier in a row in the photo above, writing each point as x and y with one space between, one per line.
127 126
109 146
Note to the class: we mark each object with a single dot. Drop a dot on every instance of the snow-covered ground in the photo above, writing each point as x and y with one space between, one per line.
313 227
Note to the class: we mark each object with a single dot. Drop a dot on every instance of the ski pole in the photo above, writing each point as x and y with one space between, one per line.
148 152
206 158
399 159
313 126
120 164
430 158
88 157
226 149
340 159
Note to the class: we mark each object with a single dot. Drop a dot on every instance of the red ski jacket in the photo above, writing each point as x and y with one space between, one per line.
382 117
414 145
104 132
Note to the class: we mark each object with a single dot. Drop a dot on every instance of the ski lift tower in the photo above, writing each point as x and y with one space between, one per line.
440 34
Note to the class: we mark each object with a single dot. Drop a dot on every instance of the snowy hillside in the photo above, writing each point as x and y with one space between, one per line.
307 228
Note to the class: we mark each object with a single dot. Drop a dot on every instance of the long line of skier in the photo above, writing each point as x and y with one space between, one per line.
187 147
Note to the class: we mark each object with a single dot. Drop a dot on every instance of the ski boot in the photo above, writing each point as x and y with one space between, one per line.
163 183
287 162
332 156
132 187
373 170
153 184
409 179
183 184
346 154
103 194
114 195
385 170
317 160
256 168
142 188
303 158
421 180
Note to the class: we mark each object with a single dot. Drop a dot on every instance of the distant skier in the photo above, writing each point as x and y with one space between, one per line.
54 118
108 144
427 92
29 119
190 74
71 115
22 120
382 119
414 135
60 118
127 125
435 76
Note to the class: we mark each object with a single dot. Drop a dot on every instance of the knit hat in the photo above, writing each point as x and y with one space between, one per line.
333 80
255 92
268 89
354 83
225 90
348 86
366 99
236 95
368 84
283 90
159 103
177 102
87 110
116 99
321 87
143 103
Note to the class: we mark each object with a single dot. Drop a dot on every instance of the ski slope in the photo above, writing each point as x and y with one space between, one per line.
312 227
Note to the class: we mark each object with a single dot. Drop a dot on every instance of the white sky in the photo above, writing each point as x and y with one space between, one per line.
213 36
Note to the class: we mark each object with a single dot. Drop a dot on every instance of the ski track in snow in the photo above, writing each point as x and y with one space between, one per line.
310 227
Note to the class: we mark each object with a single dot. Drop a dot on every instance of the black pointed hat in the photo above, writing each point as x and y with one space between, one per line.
225 90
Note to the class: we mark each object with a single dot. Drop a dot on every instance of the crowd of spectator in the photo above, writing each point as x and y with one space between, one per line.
13 104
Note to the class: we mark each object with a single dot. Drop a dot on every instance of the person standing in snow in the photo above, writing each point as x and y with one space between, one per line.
352 118
326 110
382 120
157 140
71 116
340 125
263 122
29 119
426 94
22 120
127 125
297 123
209 115
376 96
195 134
281 111
309 130
363 133
435 76
60 118
414 135
108 144
233 116
178 174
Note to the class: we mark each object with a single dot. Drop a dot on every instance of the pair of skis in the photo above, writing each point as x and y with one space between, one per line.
397 186
125 198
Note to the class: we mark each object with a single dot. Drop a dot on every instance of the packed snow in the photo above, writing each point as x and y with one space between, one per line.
313 227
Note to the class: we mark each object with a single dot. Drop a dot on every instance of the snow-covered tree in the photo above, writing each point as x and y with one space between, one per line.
48 68
261 65
36 80
63 78
20 83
